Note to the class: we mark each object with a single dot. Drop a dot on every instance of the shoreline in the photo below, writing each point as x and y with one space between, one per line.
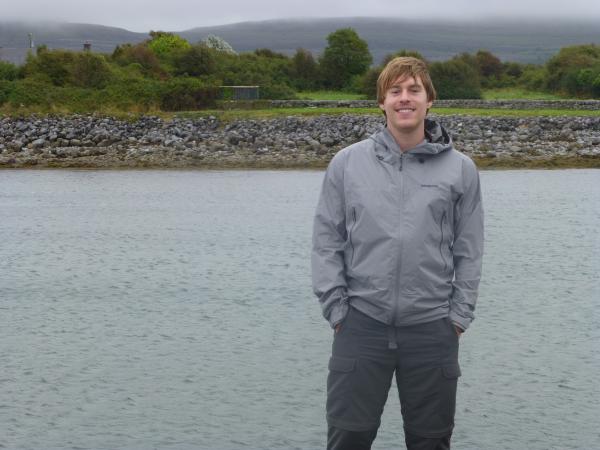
288 142
553 163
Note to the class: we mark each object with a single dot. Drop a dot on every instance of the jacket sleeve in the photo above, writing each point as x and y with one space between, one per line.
328 241
467 248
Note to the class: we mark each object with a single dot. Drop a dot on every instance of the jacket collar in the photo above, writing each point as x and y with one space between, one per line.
437 140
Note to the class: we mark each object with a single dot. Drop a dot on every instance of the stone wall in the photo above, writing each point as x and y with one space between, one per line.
485 104
103 142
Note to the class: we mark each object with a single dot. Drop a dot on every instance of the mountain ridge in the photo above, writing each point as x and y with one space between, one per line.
519 41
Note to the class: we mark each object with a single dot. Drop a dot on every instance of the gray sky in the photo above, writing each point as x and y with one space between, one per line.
178 15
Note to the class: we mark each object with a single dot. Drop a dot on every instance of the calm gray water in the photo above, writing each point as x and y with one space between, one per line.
173 309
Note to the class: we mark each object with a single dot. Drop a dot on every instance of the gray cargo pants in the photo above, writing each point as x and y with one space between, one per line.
365 355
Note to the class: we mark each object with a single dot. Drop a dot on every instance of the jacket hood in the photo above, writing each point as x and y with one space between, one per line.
437 140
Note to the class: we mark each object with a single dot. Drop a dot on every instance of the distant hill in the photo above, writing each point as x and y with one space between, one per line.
14 40
510 41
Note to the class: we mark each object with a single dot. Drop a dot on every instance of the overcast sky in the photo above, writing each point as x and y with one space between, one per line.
178 15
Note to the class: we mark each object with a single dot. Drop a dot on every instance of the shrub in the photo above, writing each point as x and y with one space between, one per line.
195 61
139 54
90 70
304 71
277 92
8 71
6 88
562 68
165 45
403 52
52 65
534 77
367 84
184 94
455 79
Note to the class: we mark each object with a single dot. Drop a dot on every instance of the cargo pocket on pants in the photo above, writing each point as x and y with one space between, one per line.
339 385
451 373
429 400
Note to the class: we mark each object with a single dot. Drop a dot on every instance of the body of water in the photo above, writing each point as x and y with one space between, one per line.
173 309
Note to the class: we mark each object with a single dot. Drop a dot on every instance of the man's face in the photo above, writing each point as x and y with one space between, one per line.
406 105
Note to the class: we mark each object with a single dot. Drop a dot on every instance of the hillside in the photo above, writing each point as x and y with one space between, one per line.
514 41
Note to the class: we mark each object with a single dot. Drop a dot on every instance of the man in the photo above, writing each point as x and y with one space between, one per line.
396 262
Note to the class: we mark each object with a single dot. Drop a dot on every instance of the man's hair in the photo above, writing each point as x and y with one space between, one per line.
402 67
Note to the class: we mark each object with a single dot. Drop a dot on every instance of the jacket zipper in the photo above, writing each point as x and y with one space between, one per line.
398 256
442 240
350 235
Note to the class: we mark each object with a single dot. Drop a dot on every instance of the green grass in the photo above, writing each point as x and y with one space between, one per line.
329 95
230 115
517 93
516 112
273 113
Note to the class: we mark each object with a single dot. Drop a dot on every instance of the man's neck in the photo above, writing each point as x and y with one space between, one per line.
408 141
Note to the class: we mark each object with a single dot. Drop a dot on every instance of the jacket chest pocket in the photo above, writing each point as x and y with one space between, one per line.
372 217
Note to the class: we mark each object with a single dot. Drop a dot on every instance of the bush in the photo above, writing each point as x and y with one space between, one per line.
127 54
563 68
52 65
403 52
184 94
534 78
6 88
195 61
277 92
8 71
165 45
367 84
596 87
455 79
29 92
304 71
134 94
90 70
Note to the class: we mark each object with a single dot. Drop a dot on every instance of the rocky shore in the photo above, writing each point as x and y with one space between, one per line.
89 141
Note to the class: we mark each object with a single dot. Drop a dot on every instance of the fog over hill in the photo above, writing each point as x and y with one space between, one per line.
436 40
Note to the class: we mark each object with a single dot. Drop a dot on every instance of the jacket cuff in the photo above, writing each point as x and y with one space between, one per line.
339 309
460 321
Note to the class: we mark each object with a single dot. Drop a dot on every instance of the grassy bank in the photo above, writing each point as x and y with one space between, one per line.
272 113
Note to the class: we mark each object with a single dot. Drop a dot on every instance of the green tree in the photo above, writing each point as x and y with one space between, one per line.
90 70
166 45
489 65
182 93
195 61
455 79
268 53
51 66
304 71
367 83
403 52
562 69
345 56
127 54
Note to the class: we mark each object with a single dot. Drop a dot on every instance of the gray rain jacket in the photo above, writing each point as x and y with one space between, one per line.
399 235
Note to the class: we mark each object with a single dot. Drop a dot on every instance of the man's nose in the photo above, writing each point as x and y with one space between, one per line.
404 95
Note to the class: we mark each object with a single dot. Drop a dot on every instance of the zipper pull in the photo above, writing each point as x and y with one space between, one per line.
401 159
